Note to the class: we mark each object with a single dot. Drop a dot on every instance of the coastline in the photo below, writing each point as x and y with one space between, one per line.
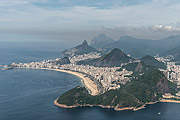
94 91
89 84
169 101
102 106
115 108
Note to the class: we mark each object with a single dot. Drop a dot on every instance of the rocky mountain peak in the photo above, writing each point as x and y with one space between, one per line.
85 43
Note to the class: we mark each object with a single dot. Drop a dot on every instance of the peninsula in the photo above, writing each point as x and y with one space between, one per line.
112 80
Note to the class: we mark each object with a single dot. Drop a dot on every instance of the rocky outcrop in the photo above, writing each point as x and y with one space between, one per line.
84 48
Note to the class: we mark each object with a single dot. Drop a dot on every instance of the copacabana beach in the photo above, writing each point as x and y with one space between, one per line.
29 94
89 84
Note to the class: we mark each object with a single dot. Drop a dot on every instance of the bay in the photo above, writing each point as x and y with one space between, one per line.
27 94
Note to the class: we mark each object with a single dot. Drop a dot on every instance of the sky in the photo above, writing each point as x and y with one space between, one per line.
153 19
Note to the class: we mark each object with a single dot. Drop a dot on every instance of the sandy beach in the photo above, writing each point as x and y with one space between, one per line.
90 85
170 101
86 80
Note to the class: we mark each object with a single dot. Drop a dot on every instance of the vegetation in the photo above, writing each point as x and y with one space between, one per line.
138 48
149 60
174 52
147 88
138 68
113 58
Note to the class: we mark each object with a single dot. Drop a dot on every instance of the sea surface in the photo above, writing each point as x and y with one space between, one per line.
27 94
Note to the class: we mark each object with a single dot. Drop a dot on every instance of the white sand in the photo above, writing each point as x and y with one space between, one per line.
86 80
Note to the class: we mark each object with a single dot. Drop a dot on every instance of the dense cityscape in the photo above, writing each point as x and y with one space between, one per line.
89 59
172 72
106 78
98 80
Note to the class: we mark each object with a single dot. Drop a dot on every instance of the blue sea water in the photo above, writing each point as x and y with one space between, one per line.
27 94
1 67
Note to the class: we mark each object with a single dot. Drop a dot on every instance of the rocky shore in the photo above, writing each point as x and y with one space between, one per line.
102 106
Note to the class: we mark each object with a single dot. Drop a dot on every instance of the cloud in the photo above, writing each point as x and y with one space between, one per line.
166 28
59 15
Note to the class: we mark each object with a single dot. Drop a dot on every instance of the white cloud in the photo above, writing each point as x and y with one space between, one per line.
22 14
164 27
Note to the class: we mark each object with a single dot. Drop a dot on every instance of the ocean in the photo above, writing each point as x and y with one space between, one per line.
27 94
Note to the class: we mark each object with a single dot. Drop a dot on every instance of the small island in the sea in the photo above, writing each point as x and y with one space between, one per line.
112 79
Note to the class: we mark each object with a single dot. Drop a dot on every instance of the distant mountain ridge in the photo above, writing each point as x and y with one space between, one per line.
175 52
113 58
84 48
138 48
101 41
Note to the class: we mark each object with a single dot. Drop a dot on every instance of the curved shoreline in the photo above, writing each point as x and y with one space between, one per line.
89 84
102 106
115 108
94 91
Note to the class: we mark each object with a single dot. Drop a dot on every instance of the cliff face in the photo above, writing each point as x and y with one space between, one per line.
163 86
113 58
135 94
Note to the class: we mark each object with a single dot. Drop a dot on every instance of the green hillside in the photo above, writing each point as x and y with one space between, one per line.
138 68
113 58
147 88
149 60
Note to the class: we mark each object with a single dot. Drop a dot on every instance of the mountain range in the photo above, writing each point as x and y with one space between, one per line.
113 58
116 57
148 84
136 47
175 52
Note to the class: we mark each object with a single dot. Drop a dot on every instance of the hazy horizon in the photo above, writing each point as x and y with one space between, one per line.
80 20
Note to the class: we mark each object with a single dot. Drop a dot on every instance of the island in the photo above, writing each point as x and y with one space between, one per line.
112 80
